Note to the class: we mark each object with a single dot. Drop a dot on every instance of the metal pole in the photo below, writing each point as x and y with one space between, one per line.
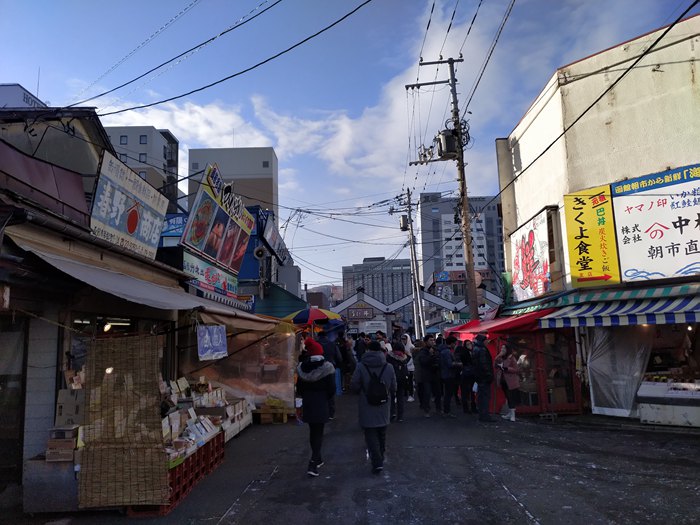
464 201
419 321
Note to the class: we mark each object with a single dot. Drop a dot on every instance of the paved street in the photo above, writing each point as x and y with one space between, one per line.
445 471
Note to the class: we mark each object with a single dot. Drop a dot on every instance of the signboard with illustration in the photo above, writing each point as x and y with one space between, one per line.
590 235
211 342
530 251
219 226
657 220
126 210
208 277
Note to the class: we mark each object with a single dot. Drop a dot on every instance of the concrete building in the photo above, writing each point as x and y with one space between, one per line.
16 96
384 280
153 154
253 172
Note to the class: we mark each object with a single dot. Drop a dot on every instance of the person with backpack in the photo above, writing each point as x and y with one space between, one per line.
375 381
400 360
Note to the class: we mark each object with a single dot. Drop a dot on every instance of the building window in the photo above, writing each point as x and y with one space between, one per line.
122 157
142 157
266 164
123 140
434 210
142 174
195 165
143 139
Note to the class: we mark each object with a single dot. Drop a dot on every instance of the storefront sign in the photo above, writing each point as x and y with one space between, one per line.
219 226
126 210
274 240
657 219
208 277
590 235
211 342
530 251
356 314
174 225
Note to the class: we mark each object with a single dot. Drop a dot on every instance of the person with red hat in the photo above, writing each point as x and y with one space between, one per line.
316 385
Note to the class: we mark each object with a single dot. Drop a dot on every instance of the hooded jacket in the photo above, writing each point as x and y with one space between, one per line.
315 385
371 416
483 363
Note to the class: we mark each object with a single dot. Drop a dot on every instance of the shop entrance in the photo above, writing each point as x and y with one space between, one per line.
12 387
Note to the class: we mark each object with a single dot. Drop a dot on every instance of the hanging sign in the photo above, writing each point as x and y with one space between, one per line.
211 342
126 210
590 235
530 252
657 218
219 226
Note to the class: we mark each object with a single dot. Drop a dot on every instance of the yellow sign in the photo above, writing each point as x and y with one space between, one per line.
590 235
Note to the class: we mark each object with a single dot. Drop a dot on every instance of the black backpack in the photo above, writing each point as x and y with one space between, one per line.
377 392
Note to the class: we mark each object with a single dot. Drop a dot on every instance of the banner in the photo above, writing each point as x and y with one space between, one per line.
657 218
211 342
219 226
590 235
208 277
530 252
126 210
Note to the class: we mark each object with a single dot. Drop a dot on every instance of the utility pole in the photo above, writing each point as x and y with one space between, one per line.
418 315
455 149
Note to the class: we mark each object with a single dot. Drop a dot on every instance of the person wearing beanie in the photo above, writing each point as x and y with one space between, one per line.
374 418
483 372
316 386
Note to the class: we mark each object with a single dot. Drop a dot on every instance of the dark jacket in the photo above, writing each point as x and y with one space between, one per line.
449 367
315 385
483 362
464 356
399 360
371 416
430 365
331 352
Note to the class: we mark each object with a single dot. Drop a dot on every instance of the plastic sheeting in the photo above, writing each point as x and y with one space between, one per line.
617 360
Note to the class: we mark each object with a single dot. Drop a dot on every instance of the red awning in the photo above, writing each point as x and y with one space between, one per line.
517 323
461 328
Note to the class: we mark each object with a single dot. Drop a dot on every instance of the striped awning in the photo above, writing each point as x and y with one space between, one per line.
660 310
615 294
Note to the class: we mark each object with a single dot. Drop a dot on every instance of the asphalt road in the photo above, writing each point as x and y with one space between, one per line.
444 471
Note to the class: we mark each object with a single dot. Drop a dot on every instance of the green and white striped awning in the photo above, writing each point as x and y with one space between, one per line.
654 292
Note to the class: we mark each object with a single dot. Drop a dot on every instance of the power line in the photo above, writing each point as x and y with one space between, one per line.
251 68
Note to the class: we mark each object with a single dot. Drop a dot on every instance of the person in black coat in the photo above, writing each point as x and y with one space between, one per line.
467 377
316 385
483 372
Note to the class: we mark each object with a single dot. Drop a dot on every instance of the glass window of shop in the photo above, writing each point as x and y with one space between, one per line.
559 367
527 364
674 355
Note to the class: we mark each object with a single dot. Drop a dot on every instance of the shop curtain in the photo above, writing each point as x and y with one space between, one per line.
617 361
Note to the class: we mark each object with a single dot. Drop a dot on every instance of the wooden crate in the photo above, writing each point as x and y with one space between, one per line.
266 416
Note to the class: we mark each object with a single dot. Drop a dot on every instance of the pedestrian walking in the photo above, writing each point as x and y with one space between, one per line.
429 361
463 352
483 372
331 352
316 386
409 346
399 359
508 377
373 416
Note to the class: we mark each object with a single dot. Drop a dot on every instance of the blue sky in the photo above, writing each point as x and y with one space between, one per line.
335 108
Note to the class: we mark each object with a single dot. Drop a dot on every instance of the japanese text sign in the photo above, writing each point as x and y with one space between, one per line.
219 226
126 210
530 252
208 277
657 220
590 235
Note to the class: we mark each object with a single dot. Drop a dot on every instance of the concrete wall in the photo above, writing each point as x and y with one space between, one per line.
40 406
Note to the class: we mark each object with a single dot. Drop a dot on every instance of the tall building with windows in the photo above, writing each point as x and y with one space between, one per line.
153 154
253 172
384 280
442 248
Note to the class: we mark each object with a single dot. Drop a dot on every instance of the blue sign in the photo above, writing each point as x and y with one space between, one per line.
211 342
656 180
174 225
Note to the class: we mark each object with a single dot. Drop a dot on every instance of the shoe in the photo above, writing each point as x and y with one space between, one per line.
427 414
331 418
312 470
320 464
410 399
375 470
400 420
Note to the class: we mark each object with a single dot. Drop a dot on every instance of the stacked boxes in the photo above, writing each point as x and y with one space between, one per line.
63 441
70 407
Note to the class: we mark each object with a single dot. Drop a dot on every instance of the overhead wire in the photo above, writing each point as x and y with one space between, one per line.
247 70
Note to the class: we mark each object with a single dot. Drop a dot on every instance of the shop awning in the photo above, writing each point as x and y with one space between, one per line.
520 323
661 310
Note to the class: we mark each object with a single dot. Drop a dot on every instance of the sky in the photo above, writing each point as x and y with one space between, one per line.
334 107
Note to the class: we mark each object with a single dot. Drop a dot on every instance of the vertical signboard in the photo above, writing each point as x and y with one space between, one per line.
530 251
590 235
219 226
657 219
126 210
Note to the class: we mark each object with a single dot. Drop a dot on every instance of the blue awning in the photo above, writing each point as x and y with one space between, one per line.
661 310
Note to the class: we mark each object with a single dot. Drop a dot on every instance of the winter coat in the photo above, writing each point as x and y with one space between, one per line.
371 416
509 370
464 356
331 352
408 346
449 367
315 385
483 363
399 361
430 365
